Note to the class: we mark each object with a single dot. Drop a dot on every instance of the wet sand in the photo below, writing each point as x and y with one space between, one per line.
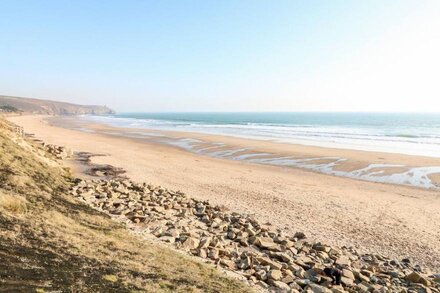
389 219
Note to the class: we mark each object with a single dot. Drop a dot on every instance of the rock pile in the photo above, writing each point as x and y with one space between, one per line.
265 256
18 130
58 152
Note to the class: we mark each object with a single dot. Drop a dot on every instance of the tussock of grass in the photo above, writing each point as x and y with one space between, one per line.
49 241
13 204
110 278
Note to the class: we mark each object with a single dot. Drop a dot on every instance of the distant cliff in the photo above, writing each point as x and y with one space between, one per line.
36 106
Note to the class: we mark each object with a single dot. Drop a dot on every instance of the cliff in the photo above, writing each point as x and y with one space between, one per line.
37 106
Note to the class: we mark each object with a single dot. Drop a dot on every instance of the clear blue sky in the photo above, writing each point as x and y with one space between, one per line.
378 55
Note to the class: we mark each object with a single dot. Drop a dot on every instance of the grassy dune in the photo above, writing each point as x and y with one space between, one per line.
48 241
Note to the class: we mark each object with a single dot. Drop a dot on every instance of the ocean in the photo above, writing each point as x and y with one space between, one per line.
405 133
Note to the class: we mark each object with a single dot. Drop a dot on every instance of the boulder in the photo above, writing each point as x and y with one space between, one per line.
348 274
265 242
303 282
281 286
362 287
261 275
190 243
168 239
213 253
318 289
275 275
346 281
343 261
338 289
415 277
228 263
299 235
269 262
283 257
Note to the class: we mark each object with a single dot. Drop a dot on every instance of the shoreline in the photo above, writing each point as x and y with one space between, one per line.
360 137
308 129
389 168
397 220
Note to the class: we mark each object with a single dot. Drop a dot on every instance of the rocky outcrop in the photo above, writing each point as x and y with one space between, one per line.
263 255
58 152
37 106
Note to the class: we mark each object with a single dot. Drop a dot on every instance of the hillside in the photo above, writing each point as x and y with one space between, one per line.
51 242
37 106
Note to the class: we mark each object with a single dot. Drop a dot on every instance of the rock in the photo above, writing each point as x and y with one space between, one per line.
363 287
203 253
168 239
281 286
303 282
312 276
190 243
265 242
337 289
213 253
204 242
261 275
367 273
415 277
262 284
159 209
396 274
252 279
295 287
318 289
323 248
172 232
261 253
269 262
346 281
283 257
228 263
275 275
348 274
424 281
288 279
299 235
245 263
343 261
362 278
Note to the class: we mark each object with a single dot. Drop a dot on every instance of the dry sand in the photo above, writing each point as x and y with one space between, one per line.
392 220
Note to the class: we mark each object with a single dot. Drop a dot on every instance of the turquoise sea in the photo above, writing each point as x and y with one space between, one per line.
407 133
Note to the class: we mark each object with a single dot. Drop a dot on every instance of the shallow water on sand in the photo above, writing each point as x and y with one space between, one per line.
383 173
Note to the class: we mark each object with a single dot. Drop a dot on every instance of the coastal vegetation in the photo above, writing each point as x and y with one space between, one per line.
8 109
50 242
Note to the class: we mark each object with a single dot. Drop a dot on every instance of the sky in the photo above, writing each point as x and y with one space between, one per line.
250 55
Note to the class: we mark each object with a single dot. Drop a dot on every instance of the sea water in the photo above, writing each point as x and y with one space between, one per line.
405 133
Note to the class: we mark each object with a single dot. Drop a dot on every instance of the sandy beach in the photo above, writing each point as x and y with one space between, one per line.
390 219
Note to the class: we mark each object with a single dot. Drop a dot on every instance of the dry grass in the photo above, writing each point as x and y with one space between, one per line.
49 241
12 204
